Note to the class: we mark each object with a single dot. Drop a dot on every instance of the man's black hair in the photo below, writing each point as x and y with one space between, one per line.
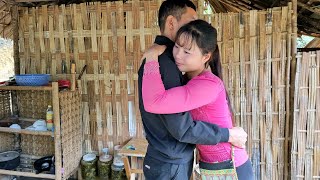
173 7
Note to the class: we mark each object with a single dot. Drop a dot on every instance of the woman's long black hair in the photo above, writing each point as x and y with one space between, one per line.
205 36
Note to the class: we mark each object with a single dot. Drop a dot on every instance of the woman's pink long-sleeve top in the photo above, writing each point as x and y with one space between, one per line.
204 96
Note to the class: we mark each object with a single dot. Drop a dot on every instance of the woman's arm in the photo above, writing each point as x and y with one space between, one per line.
198 92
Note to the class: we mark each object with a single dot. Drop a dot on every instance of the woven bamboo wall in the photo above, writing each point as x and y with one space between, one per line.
305 154
105 37
110 37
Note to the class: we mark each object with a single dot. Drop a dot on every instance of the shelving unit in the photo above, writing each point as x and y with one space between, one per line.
67 133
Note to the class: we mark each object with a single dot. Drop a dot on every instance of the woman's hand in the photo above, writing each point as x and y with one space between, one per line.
152 53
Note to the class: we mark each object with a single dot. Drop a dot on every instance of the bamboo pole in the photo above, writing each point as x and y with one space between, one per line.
292 92
289 99
15 26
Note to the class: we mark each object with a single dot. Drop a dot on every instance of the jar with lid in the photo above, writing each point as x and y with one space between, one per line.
118 173
117 160
89 166
104 164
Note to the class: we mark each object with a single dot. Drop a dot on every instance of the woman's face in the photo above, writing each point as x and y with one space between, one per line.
188 56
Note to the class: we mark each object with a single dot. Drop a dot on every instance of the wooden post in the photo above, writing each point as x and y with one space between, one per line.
15 27
57 135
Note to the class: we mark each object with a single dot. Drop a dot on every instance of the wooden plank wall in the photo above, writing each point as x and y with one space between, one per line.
305 152
256 52
110 37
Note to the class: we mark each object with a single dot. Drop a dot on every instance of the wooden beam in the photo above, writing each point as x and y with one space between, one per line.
308 7
30 1
218 7
310 33
308 49
315 43
27 174
238 6
261 3
248 5
231 8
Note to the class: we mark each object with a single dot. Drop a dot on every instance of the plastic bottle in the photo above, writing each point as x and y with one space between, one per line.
49 118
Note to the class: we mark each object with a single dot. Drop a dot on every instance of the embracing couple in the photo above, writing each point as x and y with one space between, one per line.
183 111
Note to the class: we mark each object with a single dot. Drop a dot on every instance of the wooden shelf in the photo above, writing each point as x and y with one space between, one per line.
25 131
27 174
28 88
59 147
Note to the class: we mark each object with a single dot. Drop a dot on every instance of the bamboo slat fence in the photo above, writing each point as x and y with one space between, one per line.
110 38
305 152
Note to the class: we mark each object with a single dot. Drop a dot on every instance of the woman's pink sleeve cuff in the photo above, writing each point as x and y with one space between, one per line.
151 67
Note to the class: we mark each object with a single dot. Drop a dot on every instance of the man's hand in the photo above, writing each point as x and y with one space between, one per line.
153 52
238 137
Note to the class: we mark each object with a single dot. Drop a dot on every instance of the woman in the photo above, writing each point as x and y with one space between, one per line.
196 53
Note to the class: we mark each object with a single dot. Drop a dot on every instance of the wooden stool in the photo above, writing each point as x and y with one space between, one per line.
135 148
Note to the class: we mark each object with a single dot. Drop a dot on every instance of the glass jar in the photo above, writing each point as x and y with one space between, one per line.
118 173
117 160
104 164
89 166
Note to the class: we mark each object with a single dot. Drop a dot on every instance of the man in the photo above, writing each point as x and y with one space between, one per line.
172 137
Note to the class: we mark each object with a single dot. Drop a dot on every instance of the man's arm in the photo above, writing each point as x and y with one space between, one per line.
182 127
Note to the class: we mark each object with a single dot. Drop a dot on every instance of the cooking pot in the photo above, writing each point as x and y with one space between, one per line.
9 160
44 164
